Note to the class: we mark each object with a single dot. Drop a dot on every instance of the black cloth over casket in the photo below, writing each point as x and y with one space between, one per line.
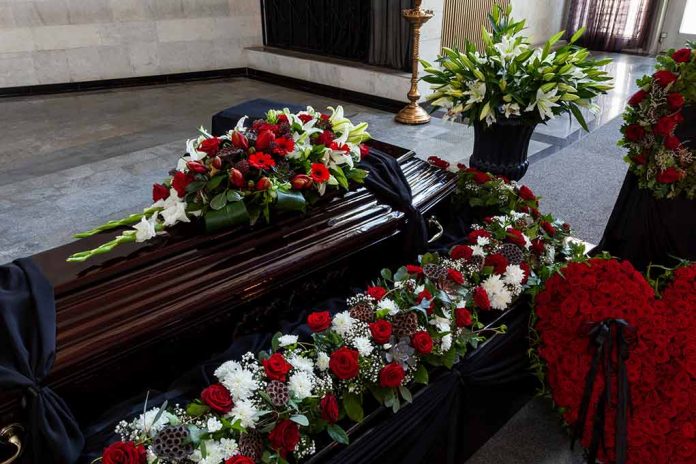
448 420
255 109
645 230
27 352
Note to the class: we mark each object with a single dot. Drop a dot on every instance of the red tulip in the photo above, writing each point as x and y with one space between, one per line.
239 140
264 183
236 178
301 182
197 167
216 162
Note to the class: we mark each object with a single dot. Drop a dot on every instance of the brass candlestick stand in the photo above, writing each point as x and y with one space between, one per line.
413 113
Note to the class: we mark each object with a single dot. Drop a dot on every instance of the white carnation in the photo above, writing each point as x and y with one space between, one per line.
213 425
146 422
389 305
301 363
477 251
245 412
342 323
287 340
446 343
499 296
239 381
300 385
363 345
442 324
229 447
482 241
322 361
514 275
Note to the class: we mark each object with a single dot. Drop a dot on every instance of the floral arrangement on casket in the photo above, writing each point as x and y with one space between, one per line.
271 406
282 162
512 80
646 412
658 158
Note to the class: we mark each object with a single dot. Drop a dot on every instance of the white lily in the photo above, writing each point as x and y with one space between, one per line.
508 48
511 109
476 92
544 103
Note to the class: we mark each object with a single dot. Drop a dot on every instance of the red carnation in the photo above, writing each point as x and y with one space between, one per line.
664 126
675 101
424 295
640 158
664 77
283 146
261 160
180 181
462 317
124 453
548 228
481 298
210 146
264 140
320 173
682 55
461 252
438 162
481 177
413 269
325 138
276 367
381 330
159 192
455 276
669 176
240 459
284 437
218 398
391 375
516 237
527 271
637 97
364 151
475 234
319 321
634 132
538 246
376 292
671 142
422 342
344 363
329 408
527 194
498 262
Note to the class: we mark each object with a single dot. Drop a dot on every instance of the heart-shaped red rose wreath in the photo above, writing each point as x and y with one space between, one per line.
657 335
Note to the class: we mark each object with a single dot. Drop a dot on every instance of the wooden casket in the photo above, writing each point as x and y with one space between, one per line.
138 317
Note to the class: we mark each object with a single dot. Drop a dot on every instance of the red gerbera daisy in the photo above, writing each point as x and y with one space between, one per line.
283 146
320 173
261 160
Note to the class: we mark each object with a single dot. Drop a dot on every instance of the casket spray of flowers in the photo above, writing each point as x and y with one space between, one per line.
281 163
511 80
661 161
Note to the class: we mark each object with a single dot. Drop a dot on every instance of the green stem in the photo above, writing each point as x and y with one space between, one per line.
127 237
132 219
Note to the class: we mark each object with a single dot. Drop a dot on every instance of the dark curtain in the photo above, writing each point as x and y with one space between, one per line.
612 25
390 35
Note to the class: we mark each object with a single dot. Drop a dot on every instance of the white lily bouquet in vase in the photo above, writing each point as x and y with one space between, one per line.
509 87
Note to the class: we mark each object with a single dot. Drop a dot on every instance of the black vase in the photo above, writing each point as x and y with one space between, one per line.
501 148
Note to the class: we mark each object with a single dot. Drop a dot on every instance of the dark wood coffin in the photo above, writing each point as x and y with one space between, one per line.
138 317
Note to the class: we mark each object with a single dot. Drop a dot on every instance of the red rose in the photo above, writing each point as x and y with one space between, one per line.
462 317
197 167
263 183
381 330
664 77
391 375
422 342
364 151
640 158
475 234
481 298
664 126
461 252
159 192
438 162
671 142
498 262
669 176
124 453
548 227
526 193
344 363
239 140
527 271
283 146
424 295
320 173
376 292
682 55
261 160
481 177
455 276
284 437
210 146
218 398
329 408
675 101
634 132
240 459
276 367
264 140
413 269
319 321
516 237
325 138
637 97
180 181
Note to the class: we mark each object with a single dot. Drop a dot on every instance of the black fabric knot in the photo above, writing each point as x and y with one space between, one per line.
604 336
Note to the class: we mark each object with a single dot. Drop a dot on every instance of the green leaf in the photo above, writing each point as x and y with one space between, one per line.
554 38
219 201
357 175
300 419
401 274
233 195
215 182
449 358
231 215
578 115
386 274
195 186
351 403
577 35
290 201
421 375
337 434
274 342
406 394
340 177
197 409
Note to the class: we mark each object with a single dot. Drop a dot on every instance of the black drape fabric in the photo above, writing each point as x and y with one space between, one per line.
390 34
227 119
388 183
27 352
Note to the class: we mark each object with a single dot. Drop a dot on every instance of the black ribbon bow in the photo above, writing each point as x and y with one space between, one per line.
604 336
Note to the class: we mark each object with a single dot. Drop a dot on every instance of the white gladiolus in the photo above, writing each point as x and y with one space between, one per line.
145 229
